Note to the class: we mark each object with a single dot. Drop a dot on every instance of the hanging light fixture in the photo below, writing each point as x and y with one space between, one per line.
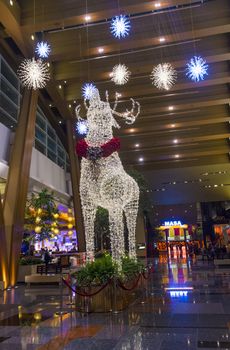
120 26
88 89
163 76
196 69
43 49
120 74
34 74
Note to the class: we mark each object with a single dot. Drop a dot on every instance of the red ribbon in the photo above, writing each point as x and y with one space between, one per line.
107 148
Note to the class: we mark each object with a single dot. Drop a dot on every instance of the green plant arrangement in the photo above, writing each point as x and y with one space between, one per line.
30 261
103 269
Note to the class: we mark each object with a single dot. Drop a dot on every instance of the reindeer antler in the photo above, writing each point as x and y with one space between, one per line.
129 116
77 112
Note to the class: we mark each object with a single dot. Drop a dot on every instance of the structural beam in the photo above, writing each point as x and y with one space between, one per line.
75 180
18 180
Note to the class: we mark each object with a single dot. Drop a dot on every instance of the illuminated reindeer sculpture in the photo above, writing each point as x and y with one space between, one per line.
104 181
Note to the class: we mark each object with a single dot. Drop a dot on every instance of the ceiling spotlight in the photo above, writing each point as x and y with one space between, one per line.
59 86
157 4
87 18
100 50
60 122
131 130
177 156
162 40
11 2
141 159
172 125
170 108
70 105
137 145
32 37
175 141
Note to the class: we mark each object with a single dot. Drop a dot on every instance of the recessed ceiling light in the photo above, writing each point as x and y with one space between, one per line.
131 130
50 105
137 145
162 39
177 156
88 18
100 49
170 108
11 2
173 125
157 4
70 105
60 122
65 81
175 141
141 159
32 37
215 185
59 86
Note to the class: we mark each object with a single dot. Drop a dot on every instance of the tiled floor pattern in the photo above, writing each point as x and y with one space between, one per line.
159 321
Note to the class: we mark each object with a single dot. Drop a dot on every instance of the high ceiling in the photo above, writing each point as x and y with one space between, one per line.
185 129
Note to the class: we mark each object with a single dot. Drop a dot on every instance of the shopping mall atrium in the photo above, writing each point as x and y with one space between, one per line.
114 174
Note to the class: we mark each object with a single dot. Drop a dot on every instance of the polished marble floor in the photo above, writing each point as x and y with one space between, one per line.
197 317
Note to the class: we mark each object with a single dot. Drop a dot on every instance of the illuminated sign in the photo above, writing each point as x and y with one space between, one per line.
179 292
173 223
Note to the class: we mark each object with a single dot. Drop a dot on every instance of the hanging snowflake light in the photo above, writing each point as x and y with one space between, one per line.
43 49
34 74
120 74
163 76
88 89
120 26
82 127
196 69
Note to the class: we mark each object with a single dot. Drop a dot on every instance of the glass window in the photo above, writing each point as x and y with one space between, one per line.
51 133
9 91
40 135
52 156
40 147
9 74
41 122
8 106
61 153
51 144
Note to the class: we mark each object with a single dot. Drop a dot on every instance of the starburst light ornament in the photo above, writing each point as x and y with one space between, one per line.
163 76
120 74
34 74
88 89
43 49
196 69
82 127
120 26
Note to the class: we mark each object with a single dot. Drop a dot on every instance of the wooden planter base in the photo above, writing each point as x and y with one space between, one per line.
111 299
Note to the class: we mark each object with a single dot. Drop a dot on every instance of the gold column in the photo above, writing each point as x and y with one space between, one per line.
18 180
75 179
4 267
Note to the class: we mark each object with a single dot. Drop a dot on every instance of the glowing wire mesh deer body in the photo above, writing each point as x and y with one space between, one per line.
104 181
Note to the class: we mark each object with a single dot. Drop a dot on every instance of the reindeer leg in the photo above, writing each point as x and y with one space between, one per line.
131 210
89 213
117 234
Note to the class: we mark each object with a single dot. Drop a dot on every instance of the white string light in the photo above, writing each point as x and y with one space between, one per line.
120 74
104 181
163 76
34 74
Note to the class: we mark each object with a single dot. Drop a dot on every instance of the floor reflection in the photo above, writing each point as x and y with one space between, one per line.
161 319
